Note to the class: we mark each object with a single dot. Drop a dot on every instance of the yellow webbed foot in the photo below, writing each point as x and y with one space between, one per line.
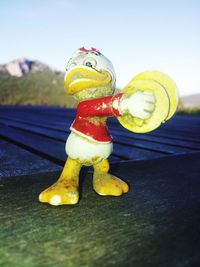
109 185
106 184
61 193
65 190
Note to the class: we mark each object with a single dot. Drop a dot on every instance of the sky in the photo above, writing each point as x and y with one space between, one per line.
135 35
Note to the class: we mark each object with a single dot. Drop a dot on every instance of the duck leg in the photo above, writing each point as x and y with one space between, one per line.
106 184
65 190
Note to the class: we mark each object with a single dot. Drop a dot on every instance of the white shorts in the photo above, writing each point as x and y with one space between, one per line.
87 151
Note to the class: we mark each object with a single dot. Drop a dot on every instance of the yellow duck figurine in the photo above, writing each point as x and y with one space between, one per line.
90 78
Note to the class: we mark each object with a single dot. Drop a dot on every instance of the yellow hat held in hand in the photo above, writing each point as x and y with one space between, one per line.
166 82
165 92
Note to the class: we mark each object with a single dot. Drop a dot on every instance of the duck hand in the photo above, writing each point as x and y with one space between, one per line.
140 105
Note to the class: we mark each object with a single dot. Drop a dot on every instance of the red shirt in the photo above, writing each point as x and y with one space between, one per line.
99 107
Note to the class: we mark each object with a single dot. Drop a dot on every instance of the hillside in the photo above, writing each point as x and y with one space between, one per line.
31 82
25 82
191 101
189 105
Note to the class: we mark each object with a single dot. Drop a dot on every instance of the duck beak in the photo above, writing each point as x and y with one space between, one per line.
83 77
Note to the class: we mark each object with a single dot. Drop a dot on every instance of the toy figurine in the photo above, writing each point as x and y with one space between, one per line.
148 100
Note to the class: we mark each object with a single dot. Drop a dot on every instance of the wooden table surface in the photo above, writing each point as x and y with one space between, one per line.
155 224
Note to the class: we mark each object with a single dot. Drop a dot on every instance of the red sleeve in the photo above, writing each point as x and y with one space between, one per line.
105 106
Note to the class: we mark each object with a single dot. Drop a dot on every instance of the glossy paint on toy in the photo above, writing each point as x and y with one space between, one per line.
142 106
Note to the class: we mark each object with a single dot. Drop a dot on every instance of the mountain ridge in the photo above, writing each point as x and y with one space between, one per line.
21 66
191 101
31 82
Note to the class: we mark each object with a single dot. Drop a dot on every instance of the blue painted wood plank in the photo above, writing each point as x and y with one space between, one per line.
16 161
58 123
118 140
55 149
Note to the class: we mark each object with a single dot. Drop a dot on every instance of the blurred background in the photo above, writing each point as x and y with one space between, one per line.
38 38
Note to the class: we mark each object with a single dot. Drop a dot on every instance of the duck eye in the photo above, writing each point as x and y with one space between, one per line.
90 62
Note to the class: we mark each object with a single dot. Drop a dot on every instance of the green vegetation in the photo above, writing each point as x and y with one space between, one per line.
189 111
185 110
39 88
46 88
